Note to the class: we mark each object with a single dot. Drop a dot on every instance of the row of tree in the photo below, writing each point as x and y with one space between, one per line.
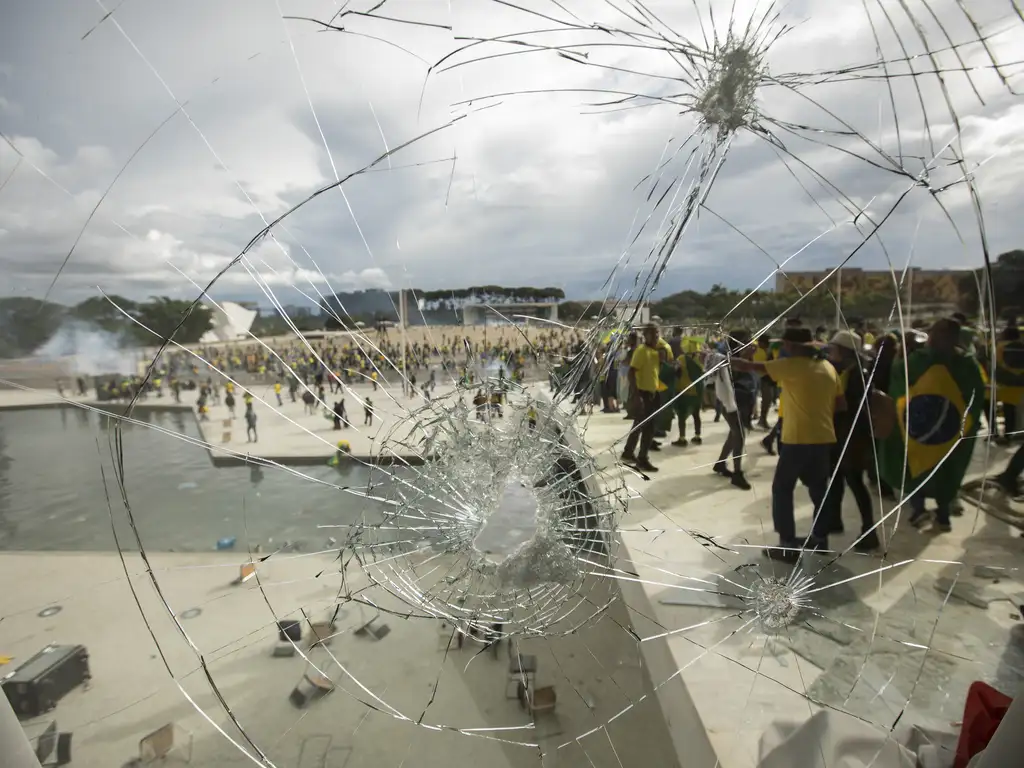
1005 278
26 324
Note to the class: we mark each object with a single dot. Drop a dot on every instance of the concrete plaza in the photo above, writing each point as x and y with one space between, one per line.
904 633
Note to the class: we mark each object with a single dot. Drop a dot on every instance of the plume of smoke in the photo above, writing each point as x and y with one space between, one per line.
88 350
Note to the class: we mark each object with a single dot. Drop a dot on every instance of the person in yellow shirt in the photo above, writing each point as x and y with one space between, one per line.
643 400
811 394
762 354
277 391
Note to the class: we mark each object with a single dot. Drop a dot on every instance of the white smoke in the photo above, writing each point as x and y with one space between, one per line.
89 351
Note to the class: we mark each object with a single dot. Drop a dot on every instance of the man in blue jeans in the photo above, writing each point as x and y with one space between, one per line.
811 393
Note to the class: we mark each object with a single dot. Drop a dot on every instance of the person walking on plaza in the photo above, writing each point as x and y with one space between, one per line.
811 394
643 400
853 451
725 392
690 393
940 409
763 354
250 424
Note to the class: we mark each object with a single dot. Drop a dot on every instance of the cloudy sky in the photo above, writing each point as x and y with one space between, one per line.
191 124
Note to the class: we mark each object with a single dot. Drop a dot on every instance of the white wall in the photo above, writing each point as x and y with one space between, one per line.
230 321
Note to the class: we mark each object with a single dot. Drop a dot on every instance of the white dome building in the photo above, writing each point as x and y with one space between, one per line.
230 322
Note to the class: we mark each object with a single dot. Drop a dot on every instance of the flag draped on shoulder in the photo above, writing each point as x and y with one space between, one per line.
937 415
1010 373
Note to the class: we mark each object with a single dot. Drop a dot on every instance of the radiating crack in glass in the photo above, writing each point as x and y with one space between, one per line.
499 522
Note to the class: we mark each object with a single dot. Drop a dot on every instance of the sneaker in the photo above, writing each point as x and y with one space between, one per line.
655 446
696 440
680 443
938 527
627 457
868 542
740 481
645 466
766 443
721 469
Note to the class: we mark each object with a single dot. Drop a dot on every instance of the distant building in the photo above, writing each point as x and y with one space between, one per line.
231 321
297 310
627 312
923 286
502 314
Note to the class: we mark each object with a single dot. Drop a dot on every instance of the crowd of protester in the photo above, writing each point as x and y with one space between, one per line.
349 359
898 410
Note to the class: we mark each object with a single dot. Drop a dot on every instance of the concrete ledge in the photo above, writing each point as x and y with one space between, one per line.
221 460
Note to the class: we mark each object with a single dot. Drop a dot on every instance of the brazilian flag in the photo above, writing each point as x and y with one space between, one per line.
1010 373
942 405
690 371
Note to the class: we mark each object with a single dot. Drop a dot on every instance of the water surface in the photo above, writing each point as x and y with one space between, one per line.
56 471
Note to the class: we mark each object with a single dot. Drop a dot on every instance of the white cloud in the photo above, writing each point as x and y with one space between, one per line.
545 190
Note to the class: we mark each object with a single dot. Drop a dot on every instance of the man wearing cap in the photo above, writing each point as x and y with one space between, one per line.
811 394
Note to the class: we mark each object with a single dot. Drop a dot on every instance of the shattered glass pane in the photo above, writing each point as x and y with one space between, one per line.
394 520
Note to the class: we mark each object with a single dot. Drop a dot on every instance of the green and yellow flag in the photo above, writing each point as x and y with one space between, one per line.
690 371
943 404
1010 373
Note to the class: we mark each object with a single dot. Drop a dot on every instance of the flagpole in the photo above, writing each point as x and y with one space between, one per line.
839 300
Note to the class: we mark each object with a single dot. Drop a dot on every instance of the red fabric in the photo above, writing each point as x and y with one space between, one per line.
983 711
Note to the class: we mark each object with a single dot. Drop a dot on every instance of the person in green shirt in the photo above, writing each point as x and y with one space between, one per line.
689 393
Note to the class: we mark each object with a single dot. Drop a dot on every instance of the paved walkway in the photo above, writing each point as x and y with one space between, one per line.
858 649
384 686
861 647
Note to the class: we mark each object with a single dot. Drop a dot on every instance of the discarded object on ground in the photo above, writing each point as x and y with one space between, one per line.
246 572
53 747
289 630
37 685
311 687
228 542
161 743
369 629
